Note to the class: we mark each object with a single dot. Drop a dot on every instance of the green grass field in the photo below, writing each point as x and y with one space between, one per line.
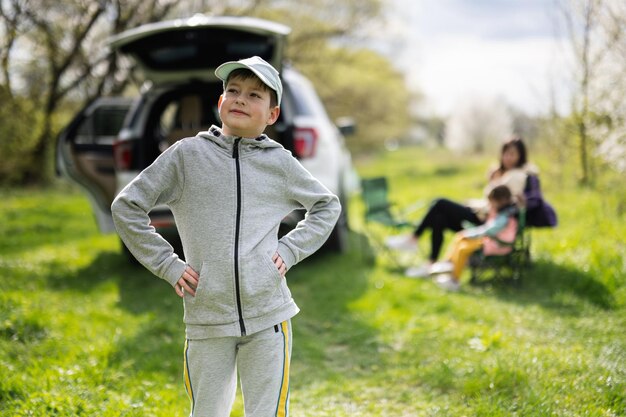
84 333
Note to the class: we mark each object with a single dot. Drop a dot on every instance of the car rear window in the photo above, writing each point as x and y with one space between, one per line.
102 127
108 121
304 99
299 103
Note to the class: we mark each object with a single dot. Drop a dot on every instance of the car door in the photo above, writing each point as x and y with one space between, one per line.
191 49
84 153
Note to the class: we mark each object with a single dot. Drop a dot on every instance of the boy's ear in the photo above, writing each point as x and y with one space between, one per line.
219 101
274 113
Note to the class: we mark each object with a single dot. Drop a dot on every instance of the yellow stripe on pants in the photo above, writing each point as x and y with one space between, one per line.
281 410
188 387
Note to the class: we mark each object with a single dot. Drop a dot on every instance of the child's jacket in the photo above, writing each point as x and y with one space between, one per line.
228 196
501 225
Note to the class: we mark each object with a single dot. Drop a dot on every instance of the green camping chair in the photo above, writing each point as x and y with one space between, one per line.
381 220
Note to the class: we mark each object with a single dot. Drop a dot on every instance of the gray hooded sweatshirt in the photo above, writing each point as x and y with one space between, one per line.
228 196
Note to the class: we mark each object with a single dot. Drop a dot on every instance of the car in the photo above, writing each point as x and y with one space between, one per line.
112 140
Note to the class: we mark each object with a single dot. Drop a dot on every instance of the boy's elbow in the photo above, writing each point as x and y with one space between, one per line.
336 203
119 206
115 205
115 210
337 208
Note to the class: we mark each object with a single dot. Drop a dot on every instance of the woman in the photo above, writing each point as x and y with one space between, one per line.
445 214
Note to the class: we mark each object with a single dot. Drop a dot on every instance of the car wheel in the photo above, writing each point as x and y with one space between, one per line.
338 241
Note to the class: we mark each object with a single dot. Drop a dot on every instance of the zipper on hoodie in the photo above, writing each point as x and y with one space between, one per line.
242 326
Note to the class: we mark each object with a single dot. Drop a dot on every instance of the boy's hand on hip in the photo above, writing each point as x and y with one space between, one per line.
278 261
187 283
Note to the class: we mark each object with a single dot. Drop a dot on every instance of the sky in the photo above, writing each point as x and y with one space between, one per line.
454 51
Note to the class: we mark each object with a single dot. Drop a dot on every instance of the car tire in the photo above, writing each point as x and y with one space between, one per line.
339 238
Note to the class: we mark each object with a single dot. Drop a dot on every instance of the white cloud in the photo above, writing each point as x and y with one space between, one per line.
455 49
450 69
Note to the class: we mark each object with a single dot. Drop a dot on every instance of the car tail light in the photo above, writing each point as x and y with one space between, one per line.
162 223
123 154
305 142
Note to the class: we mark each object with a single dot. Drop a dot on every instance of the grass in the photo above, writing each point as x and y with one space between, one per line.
84 333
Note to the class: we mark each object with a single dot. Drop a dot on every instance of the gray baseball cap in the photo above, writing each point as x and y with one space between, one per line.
259 67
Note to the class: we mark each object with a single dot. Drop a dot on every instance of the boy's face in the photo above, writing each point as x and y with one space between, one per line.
244 108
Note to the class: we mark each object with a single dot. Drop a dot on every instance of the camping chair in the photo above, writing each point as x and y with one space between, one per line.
381 220
510 265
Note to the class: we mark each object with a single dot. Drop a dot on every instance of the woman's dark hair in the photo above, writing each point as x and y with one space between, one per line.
518 143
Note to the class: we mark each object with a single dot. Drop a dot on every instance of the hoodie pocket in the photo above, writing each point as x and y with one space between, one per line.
215 301
263 288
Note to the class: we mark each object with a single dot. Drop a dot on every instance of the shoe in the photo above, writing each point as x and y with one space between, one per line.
422 271
441 267
402 242
448 283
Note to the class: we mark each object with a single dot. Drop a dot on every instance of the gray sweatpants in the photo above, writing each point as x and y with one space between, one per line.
262 361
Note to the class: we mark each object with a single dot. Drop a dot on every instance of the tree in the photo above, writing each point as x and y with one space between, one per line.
58 42
597 37
16 118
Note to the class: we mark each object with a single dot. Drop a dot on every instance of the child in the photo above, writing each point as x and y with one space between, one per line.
501 226
229 188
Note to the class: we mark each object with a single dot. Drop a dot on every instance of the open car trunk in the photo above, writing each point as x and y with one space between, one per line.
192 48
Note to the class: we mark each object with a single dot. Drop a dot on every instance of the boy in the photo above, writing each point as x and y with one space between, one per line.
229 188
